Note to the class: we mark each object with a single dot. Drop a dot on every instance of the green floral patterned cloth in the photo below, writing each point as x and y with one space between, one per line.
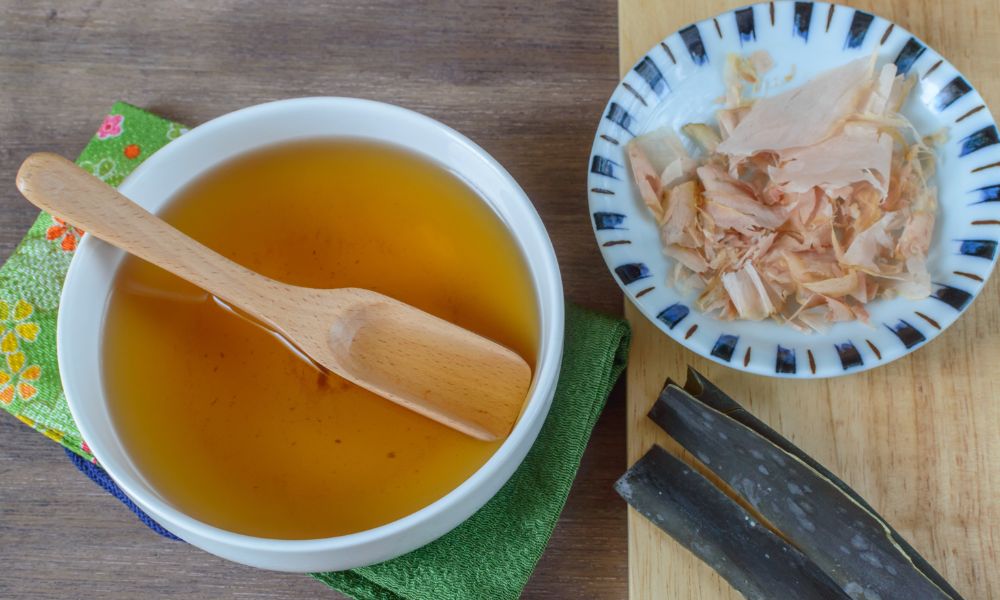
32 279
489 556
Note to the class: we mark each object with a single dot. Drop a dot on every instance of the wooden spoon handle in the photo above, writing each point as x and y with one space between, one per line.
64 190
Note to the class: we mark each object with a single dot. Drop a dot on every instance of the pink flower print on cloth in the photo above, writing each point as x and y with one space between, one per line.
111 127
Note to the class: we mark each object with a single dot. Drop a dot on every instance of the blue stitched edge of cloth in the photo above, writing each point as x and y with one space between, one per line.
101 478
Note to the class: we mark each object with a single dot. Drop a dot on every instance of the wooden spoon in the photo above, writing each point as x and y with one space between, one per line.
404 354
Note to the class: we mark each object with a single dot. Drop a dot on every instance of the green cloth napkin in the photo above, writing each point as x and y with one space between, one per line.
493 553
490 556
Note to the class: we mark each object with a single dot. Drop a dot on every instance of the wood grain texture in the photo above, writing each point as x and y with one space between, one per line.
920 438
525 79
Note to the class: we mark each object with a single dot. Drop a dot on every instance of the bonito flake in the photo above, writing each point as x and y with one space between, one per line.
802 206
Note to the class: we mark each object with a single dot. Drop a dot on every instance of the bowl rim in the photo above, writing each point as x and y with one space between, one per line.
547 285
629 91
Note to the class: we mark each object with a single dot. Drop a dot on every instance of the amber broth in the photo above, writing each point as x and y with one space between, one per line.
233 428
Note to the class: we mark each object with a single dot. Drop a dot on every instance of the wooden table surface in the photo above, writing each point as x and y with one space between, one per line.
526 79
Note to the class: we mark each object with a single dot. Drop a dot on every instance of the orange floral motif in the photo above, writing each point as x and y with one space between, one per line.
132 151
19 379
68 235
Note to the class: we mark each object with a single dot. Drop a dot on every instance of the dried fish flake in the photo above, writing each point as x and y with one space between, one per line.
803 206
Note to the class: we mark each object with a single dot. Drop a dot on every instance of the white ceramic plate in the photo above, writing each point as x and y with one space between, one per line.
679 81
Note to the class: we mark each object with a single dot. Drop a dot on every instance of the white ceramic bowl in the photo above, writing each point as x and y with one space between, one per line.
154 183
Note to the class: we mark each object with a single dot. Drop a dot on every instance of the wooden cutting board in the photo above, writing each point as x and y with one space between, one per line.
919 438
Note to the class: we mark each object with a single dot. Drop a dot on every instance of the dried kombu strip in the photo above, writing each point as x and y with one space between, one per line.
720 532
810 507
708 393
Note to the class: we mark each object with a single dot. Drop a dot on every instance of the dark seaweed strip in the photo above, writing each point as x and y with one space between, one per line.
710 395
759 564
843 539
